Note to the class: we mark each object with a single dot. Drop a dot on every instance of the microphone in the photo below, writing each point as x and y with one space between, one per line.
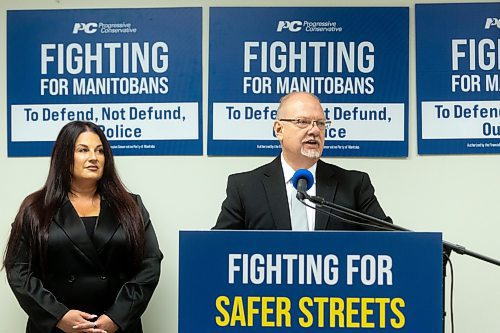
302 180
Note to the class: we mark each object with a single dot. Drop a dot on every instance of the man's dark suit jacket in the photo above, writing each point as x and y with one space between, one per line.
257 199
88 275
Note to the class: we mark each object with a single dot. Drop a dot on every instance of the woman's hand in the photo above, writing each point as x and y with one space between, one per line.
105 323
75 321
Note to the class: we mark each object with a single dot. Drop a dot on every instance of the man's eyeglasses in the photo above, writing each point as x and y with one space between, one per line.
304 123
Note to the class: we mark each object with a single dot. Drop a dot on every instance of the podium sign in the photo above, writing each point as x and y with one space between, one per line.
284 281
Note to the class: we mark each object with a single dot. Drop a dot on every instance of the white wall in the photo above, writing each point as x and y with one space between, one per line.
453 194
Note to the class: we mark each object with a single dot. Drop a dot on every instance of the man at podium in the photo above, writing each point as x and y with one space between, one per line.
264 198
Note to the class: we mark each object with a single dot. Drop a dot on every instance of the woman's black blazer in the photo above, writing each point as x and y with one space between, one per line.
91 275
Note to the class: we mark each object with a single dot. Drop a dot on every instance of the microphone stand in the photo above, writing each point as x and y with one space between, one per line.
447 246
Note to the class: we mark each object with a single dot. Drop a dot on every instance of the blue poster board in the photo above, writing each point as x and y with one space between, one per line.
354 59
274 281
135 72
458 78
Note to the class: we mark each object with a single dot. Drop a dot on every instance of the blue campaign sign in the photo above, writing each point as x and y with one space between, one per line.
354 59
135 72
458 78
291 282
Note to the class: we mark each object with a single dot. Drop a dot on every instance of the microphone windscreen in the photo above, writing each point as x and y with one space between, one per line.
303 174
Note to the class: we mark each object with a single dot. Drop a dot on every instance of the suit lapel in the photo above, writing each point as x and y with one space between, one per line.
69 221
326 187
106 226
274 184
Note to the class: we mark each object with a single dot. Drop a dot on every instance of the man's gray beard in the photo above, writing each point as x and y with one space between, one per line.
311 153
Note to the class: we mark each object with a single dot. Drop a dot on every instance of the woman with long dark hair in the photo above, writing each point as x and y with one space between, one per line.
82 254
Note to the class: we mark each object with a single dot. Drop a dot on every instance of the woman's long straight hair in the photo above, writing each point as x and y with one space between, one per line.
31 224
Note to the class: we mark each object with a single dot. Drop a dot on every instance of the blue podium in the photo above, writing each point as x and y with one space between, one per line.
285 281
